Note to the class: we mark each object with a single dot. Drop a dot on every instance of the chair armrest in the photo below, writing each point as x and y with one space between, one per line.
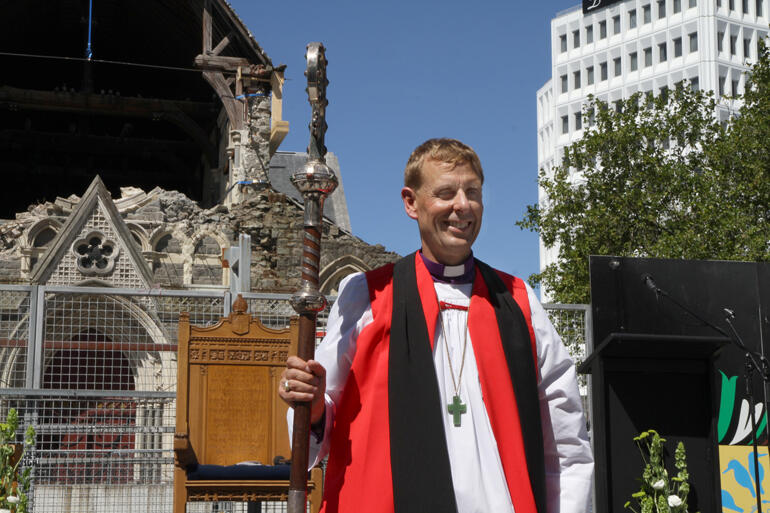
185 456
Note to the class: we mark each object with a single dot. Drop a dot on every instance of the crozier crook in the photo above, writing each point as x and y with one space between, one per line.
314 181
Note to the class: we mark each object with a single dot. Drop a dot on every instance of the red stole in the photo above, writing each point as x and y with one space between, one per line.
358 475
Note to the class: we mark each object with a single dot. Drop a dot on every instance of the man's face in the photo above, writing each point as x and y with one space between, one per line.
448 209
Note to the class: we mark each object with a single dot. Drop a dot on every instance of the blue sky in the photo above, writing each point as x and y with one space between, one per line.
402 72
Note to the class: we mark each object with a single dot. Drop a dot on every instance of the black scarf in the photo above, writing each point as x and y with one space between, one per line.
422 478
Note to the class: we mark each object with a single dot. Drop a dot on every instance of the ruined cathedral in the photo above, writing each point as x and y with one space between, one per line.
142 178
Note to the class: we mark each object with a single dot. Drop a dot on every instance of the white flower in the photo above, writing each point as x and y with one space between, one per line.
659 484
12 499
3 510
674 501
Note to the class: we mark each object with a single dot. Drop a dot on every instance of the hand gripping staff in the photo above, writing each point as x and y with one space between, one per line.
314 181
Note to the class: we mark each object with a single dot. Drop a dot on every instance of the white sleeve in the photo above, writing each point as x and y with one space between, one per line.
568 458
349 315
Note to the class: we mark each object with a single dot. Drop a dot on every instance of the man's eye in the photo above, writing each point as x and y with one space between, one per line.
445 194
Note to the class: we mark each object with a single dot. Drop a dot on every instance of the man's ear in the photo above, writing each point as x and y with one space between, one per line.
410 201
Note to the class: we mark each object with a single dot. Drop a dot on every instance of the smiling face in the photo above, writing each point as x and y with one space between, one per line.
448 208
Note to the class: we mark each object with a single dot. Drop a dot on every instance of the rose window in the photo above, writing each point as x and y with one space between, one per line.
95 254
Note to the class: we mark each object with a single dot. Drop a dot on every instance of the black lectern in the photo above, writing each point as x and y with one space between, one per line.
658 366
660 382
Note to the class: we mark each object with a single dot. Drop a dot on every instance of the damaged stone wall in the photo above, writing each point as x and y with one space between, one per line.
183 243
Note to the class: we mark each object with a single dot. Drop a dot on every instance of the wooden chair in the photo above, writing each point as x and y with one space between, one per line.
228 410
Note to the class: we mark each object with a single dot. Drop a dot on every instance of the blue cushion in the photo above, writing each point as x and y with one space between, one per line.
238 472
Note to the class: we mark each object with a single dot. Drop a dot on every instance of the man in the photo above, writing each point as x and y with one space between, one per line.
441 385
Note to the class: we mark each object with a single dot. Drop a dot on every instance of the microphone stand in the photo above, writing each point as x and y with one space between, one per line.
754 362
763 369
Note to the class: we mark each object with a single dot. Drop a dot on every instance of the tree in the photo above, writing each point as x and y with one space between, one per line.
659 177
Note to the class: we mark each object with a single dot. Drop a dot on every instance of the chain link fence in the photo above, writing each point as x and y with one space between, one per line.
93 370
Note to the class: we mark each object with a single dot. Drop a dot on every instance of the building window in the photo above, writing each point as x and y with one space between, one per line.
632 18
661 9
578 120
646 14
616 24
634 64
590 75
731 4
734 85
647 57
677 47
722 81
745 6
733 45
747 48
662 54
602 29
693 3
719 4
677 6
694 42
575 38
591 117
603 71
759 8
720 37
589 34
576 79
695 83
563 42
564 84
618 69
618 106
664 92
564 124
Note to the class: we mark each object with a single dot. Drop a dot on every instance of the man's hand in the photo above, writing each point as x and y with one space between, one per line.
306 382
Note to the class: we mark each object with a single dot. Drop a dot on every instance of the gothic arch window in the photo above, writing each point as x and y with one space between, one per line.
168 265
92 436
140 236
207 264
168 244
44 237
332 274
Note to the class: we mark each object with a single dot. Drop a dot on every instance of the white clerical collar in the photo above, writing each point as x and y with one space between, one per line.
454 274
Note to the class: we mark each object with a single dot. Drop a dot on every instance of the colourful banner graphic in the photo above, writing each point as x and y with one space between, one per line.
736 469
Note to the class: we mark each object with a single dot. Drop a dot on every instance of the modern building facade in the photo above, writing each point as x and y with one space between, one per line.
614 49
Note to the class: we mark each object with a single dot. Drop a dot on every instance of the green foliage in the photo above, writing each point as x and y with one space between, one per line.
14 485
659 177
658 493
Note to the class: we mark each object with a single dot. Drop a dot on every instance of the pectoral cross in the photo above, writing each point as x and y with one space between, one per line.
456 408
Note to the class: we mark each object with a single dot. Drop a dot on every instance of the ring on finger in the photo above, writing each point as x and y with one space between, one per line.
286 386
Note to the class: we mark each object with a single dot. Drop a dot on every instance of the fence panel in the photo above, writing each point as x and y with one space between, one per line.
14 336
103 402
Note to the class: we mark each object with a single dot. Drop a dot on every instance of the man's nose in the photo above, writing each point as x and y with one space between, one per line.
461 202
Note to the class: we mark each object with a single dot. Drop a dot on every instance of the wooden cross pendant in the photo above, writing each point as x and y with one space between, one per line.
456 408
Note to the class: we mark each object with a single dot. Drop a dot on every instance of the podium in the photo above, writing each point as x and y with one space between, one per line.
653 381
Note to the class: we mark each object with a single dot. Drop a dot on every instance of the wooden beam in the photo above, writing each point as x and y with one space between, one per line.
278 127
233 107
94 144
222 44
90 103
241 30
206 26
220 62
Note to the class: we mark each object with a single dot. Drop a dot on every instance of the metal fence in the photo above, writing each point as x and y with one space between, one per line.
93 370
